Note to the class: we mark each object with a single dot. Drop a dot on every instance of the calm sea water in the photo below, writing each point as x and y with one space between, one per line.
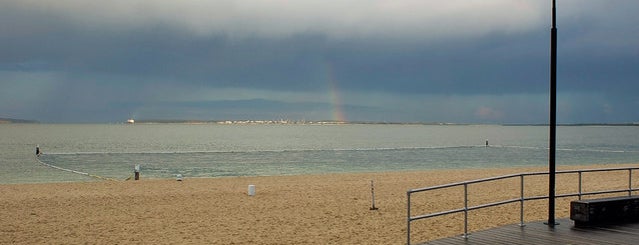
210 150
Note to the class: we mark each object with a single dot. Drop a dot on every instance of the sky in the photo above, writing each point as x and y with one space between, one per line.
456 61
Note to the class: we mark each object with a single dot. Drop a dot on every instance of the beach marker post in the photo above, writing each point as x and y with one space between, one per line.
136 172
373 197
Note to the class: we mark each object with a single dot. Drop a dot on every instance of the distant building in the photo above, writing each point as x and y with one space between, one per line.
130 121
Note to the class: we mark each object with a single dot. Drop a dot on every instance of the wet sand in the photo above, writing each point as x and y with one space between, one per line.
310 209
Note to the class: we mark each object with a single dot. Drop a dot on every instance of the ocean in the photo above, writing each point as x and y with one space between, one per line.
213 150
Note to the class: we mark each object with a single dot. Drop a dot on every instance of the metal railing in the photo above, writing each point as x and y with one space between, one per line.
522 198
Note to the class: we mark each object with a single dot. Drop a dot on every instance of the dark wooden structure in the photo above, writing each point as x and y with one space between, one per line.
612 210
540 233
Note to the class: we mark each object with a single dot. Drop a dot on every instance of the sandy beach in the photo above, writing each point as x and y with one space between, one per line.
310 209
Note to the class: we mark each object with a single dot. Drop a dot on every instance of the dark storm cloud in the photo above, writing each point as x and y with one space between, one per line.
72 60
58 38
295 63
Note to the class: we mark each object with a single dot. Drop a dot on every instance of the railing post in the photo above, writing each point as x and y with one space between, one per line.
521 202
579 193
465 210
630 182
408 218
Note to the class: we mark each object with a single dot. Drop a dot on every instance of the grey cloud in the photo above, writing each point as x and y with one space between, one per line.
338 19
87 59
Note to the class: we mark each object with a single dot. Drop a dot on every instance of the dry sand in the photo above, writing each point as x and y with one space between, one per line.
313 209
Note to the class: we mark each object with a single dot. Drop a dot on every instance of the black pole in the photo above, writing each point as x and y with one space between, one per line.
553 118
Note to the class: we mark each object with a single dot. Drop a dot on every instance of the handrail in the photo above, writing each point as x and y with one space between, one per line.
521 199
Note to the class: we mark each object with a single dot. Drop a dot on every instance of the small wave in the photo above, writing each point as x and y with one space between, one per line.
268 151
566 149
345 150
73 171
598 150
520 147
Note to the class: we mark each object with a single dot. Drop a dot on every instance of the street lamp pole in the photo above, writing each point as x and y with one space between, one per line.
553 118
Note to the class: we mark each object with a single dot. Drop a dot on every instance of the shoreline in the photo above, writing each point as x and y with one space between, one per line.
307 209
90 177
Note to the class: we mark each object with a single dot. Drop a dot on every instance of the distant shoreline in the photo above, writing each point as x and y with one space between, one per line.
332 122
12 120
309 122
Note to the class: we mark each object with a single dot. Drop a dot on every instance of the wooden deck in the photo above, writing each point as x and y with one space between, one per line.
539 233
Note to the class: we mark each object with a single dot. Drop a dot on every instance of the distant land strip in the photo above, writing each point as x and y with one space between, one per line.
291 122
12 120
328 122
579 124
333 122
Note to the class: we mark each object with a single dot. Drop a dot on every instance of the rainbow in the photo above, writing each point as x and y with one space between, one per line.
334 95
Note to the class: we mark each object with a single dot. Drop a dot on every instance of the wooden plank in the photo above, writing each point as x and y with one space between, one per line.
539 233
